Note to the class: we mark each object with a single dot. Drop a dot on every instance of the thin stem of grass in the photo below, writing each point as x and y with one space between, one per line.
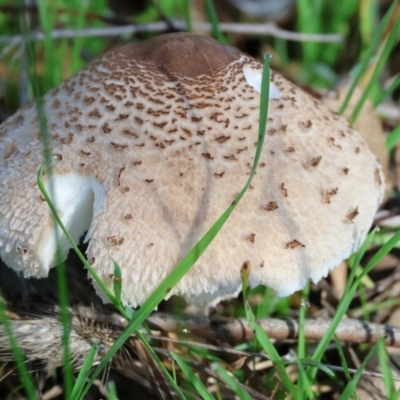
17 353
47 24
382 60
393 138
302 317
348 296
61 275
213 18
384 363
77 15
368 55
186 13
386 93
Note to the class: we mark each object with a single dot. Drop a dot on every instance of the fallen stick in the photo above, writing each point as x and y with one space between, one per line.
237 330
40 337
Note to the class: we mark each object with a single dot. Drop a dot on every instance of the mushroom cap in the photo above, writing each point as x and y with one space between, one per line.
154 141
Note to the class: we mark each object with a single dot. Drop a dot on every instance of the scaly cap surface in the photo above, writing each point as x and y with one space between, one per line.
154 141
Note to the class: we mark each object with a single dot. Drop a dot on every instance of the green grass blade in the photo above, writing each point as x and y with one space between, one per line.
368 55
117 285
348 296
343 360
112 391
47 23
351 386
386 370
193 379
303 383
389 45
354 271
386 93
17 353
171 379
261 335
77 17
231 382
212 16
322 367
60 269
308 20
84 372
393 138
302 317
186 13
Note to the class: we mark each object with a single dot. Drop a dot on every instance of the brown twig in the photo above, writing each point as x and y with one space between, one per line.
269 29
238 330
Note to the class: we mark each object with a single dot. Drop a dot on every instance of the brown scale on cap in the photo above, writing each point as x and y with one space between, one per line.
175 121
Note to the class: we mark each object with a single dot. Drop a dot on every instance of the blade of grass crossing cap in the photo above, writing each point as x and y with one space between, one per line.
188 261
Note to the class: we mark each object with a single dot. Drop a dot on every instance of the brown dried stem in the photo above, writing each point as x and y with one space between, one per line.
268 28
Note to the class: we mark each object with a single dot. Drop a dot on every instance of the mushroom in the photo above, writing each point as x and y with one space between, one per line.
153 141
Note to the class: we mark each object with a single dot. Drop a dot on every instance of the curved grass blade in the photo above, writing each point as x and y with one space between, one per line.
383 57
231 382
261 335
193 379
188 261
351 386
393 138
368 55
17 353
84 372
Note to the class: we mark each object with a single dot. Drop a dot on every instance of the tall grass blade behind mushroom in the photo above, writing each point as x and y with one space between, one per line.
318 59
383 57
213 18
18 356
388 92
44 136
369 53
393 138
186 14
76 20
47 16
